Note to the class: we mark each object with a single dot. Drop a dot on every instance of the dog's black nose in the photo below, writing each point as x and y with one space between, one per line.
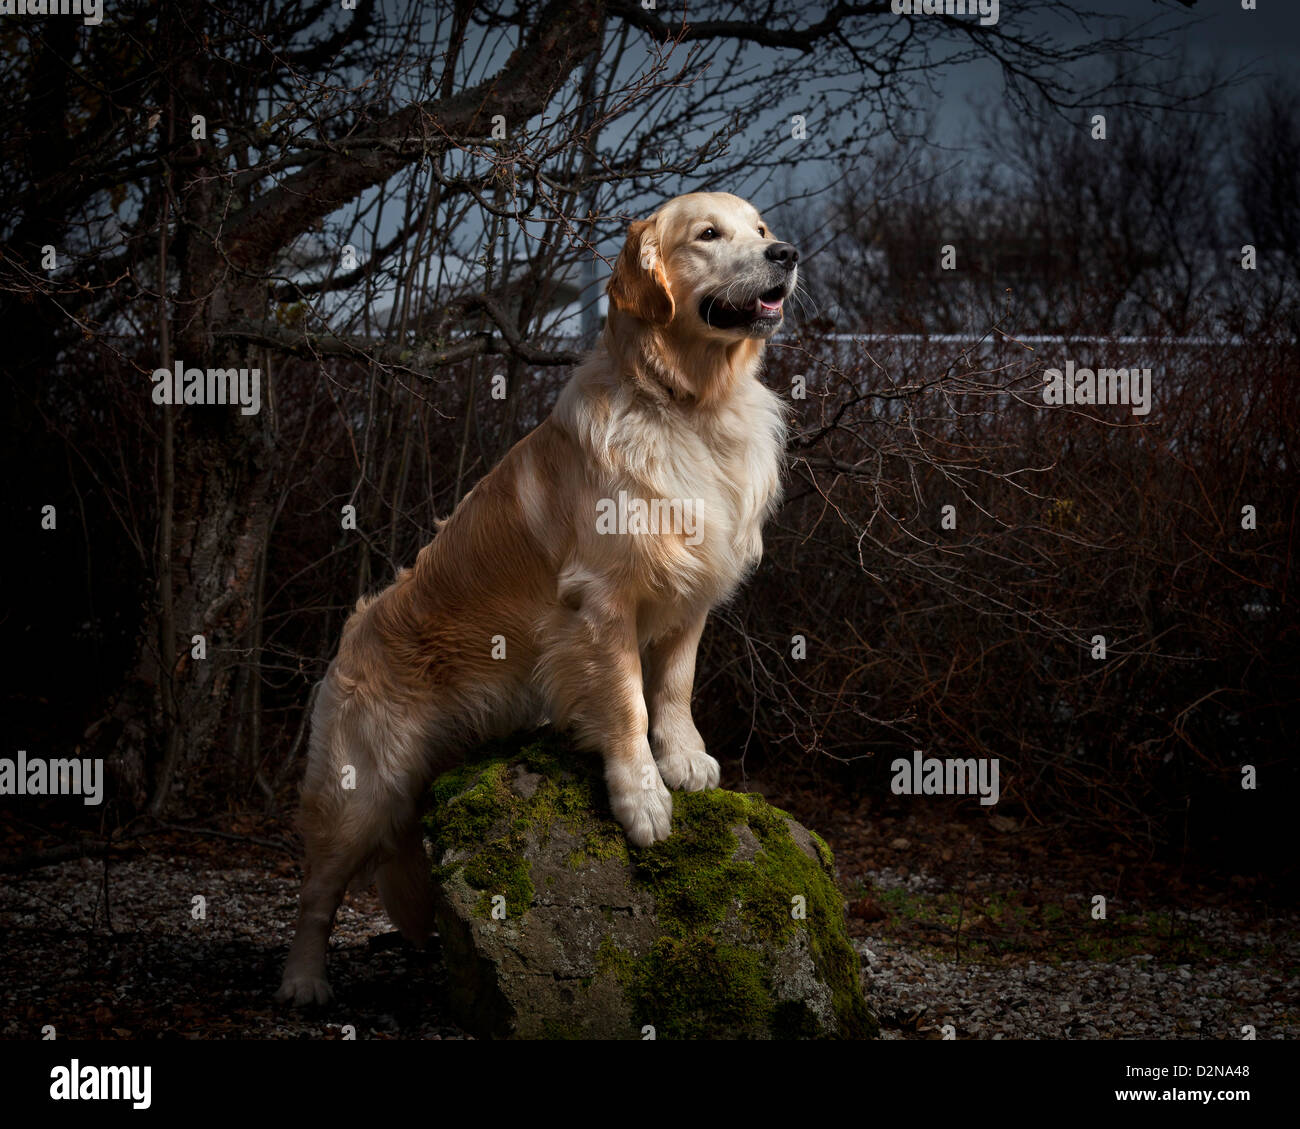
784 253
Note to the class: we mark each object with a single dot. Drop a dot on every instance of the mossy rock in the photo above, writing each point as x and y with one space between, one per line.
553 928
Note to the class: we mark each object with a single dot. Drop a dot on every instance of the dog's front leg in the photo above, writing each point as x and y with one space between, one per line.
593 673
676 744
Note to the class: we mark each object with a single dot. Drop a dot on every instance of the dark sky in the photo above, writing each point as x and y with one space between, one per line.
1271 31
1266 40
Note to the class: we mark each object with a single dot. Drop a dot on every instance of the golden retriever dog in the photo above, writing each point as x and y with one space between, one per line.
572 583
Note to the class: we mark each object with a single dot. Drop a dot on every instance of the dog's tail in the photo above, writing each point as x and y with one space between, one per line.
405 890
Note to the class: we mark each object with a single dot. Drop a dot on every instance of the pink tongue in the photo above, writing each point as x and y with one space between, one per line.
770 305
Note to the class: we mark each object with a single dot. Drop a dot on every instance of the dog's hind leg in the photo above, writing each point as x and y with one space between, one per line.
356 810
324 883
404 887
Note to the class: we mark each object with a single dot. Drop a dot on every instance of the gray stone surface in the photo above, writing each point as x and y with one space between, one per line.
553 929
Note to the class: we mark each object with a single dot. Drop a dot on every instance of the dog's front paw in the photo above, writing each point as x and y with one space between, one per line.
304 990
690 771
641 803
683 763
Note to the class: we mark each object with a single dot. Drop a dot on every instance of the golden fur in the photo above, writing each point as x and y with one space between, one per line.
599 629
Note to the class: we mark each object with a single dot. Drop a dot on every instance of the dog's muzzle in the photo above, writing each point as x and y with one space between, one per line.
757 314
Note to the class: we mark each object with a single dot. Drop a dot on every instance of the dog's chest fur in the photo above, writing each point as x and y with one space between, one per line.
719 464
729 460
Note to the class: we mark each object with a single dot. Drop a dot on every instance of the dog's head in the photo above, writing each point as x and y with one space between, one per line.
706 265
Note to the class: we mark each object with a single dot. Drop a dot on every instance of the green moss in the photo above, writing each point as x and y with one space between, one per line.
605 841
690 988
473 806
823 852
697 882
500 870
471 803
613 960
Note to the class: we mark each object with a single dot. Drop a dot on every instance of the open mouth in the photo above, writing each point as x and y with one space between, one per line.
763 310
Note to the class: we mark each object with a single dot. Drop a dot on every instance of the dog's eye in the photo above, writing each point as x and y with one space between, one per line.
708 233
762 231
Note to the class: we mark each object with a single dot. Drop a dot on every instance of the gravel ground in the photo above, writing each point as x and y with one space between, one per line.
1006 951
160 973
1136 996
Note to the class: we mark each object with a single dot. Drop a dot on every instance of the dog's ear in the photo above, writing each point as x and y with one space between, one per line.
639 284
